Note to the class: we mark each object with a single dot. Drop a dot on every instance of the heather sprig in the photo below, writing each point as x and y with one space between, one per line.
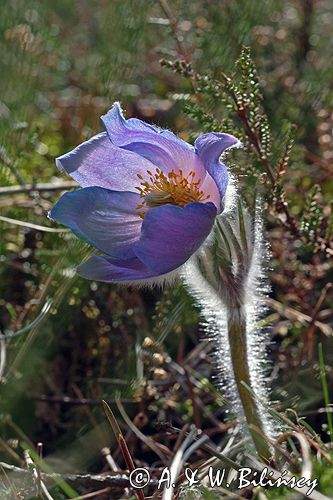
240 101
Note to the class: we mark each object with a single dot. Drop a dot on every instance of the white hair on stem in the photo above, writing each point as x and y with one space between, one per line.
257 290
227 280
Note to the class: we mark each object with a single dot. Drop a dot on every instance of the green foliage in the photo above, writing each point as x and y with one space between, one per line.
242 99
313 213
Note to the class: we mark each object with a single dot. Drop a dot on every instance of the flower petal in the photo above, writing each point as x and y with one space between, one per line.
107 220
101 268
210 147
209 187
171 234
98 162
164 149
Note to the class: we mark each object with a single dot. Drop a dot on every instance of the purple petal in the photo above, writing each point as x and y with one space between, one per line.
210 147
98 162
209 187
105 269
160 147
107 220
171 234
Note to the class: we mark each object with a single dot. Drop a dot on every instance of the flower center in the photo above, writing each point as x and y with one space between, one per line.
171 189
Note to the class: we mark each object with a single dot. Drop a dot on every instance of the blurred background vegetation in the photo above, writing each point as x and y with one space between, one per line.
67 343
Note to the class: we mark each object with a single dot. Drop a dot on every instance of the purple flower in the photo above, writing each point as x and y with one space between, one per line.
148 199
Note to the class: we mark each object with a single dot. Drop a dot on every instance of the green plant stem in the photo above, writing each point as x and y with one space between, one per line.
240 364
325 391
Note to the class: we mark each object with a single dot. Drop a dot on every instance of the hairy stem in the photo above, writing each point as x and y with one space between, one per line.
240 364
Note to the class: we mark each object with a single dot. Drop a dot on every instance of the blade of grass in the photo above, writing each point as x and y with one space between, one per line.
65 487
325 391
122 444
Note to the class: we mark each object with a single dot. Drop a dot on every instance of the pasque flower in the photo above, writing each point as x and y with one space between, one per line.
148 199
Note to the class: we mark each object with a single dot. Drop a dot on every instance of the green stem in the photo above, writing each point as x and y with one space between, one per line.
240 364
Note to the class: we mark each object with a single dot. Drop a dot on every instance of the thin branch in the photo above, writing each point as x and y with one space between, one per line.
294 315
116 480
30 225
2 355
310 331
37 476
28 188
78 402
173 21
146 439
325 165
122 444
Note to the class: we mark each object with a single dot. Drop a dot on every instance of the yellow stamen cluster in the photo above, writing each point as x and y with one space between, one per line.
173 189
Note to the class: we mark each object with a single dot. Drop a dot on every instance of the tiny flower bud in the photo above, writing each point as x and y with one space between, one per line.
148 342
160 374
158 358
